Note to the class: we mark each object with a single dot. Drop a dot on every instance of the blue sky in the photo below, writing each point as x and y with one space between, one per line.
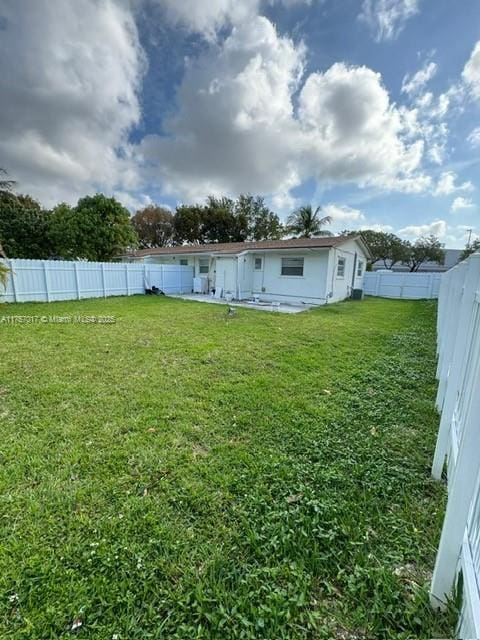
370 108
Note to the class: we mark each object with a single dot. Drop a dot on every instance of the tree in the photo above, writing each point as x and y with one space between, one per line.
23 227
63 232
104 230
386 247
306 223
470 248
222 222
154 226
188 224
261 222
98 228
6 185
429 248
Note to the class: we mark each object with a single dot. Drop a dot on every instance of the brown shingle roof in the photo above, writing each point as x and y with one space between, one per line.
237 247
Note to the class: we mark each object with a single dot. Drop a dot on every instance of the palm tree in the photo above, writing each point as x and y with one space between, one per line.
6 185
306 223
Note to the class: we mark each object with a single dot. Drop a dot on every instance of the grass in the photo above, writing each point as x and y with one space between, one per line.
183 475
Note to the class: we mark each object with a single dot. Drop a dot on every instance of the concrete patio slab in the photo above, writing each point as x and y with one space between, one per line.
278 307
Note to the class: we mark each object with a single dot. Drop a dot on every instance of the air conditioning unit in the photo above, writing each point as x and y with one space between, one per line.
357 294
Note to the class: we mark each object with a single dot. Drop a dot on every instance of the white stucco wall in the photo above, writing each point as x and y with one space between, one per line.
341 288
269 284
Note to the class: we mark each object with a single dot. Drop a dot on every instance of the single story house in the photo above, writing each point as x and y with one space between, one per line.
297 270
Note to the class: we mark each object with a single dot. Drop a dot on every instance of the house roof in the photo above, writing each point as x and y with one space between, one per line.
323 242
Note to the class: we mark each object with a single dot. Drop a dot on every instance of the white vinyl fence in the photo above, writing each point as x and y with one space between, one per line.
409 286
458 400
49 280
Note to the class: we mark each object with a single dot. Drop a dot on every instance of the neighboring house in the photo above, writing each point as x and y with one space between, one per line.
452 256
300 270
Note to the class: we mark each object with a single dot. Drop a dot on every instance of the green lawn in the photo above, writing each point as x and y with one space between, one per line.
180 474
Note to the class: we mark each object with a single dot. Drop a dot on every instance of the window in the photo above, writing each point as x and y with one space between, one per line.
258 264
341 268
184 262
203 265
292 266
359 268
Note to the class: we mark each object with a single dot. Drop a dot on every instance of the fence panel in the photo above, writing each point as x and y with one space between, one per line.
50 280
458 442
408 286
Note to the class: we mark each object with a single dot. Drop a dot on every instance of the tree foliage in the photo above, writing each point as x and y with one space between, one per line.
23 227
261 222
307 223
226 220
63 232
6 184
4 271
98 228
425 249
154 226
470 248
386 247
188 224
222 222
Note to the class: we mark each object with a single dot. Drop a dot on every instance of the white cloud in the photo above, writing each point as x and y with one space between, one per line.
452 236
387 228
387 18
69 75
236 129
208 17
474 137
355 133
342 213
460 204
446 184
471 72
412 84
131 201
437 228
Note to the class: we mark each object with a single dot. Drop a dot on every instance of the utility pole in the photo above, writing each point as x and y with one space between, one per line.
469 237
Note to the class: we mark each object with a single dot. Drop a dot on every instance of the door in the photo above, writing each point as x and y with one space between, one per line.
225 277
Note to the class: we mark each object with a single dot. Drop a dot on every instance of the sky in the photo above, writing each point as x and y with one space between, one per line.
369 108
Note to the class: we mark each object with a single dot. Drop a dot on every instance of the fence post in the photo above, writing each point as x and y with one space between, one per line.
77 280
377 283
466 313
458 505
456 291
14 282
103 281
126 278
45 276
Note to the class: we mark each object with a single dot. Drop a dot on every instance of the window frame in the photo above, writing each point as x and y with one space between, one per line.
292 275
342 260
360 269
202 266
255 264
184 262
